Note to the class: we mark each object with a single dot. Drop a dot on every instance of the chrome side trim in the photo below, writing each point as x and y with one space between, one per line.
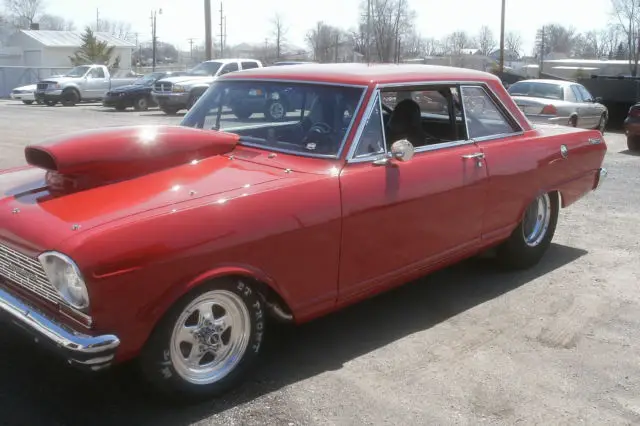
281 80
361 125
57 334
602 175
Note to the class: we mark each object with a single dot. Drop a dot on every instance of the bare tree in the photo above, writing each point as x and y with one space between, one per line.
24 12
485 41
432 47
391 22
610 40
627 13
324 40
414 46
55 23
279 33
120 29
513 43
456 42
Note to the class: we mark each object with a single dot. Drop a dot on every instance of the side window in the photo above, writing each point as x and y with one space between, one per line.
249 65
569 95
484 118
585 94
230 67
427 115
372 138
577 93
97 73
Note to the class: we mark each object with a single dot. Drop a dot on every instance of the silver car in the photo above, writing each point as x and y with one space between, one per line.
559 102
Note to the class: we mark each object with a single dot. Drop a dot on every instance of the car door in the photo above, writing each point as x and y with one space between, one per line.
97 84
402 217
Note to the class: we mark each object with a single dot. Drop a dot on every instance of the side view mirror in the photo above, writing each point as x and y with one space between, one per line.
401 150
598 100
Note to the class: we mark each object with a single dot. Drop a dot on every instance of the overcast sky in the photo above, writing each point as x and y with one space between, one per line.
249 20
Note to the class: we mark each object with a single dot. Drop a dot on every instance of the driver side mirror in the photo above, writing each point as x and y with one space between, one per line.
598 100
401 150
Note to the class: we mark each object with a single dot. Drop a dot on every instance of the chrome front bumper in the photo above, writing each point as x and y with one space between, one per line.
600 177
81 350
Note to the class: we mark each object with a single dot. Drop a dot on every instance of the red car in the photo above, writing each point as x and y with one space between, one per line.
174 245
632 128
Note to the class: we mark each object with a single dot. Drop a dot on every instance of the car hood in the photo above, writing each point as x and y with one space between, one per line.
130 88
185 79
30 87
36 215
61 79
34 220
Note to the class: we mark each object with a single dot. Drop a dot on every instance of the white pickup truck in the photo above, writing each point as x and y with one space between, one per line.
81 84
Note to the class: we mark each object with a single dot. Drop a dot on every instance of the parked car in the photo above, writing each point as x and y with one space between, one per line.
137 95
632 128
84 83
177 93
26 94
174 245
559 102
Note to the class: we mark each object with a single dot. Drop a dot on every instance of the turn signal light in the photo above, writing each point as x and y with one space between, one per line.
549 110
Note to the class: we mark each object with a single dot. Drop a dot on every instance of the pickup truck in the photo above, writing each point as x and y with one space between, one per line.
175 93
81 84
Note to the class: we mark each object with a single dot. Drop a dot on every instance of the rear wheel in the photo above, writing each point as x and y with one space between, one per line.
573 121
532 237
141 104
207 342
633 143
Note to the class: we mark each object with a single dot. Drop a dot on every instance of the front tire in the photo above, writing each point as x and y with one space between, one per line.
70 97
207 342
169 110
532 237
141 104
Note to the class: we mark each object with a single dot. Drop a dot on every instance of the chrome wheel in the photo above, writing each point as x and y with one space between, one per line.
536 220
210 337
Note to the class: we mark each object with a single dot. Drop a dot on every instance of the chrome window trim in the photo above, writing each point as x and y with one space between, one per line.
317 83
281 80
363 122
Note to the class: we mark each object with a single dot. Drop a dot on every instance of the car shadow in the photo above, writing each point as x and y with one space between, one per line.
629 152
30 378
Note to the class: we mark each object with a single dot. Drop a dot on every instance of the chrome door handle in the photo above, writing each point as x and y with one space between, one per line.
474 155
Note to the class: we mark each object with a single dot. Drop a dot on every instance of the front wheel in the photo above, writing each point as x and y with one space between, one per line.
207 342
141 104
532 237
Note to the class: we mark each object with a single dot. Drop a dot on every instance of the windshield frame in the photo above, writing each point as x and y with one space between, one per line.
68 73
355 121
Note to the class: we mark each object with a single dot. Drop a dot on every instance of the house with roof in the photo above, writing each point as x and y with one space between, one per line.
52 49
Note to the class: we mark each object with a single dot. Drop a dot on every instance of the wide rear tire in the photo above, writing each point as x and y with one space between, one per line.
531 239
207 342
633 143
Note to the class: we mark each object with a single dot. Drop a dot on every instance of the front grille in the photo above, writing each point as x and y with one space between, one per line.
163 87
26 273
42 86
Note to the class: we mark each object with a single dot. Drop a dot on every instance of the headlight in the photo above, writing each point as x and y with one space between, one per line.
66 278
178 88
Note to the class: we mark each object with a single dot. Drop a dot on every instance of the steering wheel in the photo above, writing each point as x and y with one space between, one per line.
318 137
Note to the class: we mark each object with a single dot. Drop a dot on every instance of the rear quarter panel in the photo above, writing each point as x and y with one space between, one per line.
285 233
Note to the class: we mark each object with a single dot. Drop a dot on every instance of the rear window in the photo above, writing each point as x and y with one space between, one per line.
537 90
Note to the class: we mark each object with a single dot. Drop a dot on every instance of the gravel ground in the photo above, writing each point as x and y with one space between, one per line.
467 345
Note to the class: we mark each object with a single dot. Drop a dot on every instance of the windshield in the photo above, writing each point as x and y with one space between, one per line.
537 90
205 68
78 71
149 79
299 118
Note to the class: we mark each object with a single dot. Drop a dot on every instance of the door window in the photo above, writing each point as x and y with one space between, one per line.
249 65
577 93
97 73
585 93
230 67
484 117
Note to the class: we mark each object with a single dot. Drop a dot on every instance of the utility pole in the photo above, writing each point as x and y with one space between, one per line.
154 40
368 52
191 50
97 20
221 32
207 29
502 38
542 48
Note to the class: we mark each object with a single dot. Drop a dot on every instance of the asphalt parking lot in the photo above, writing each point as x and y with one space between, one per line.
557 344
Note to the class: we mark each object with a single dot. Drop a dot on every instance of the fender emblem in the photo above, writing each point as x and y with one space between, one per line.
15 211
594 141
564 151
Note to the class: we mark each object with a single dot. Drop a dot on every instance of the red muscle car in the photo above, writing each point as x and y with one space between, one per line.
173 245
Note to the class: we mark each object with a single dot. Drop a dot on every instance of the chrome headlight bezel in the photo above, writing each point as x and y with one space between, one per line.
51 262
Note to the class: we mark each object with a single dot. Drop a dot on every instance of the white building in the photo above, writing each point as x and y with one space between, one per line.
52 49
